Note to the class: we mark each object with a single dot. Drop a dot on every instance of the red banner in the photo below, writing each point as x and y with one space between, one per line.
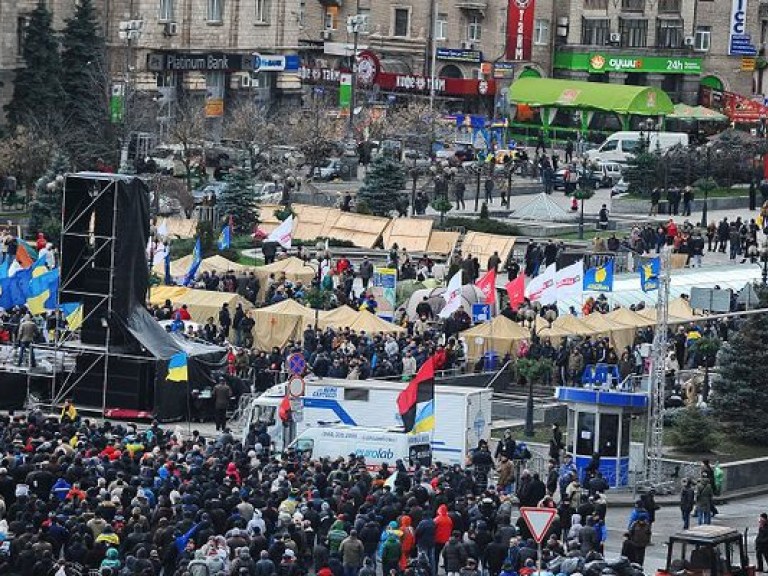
520 29
738 108
443 86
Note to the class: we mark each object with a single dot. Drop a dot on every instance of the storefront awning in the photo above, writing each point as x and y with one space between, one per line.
549 93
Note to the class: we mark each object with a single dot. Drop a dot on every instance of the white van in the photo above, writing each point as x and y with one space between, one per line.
621 146
376 445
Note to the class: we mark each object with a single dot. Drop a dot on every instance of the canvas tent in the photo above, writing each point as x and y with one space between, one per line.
372 324
295 270
179 227
201 304
339 318
442 242
629 318
313 222
362 230
620 335
410 233
218 263
500 335
275 325
484 245
267 219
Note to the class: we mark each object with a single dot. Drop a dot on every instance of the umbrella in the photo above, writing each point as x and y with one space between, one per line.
696 114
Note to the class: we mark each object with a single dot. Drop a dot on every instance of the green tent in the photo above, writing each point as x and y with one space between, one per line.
618 98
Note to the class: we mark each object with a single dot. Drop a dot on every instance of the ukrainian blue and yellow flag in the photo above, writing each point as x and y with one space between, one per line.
178 370
225 238
42 291
197 258
425 418
600 278
73 314
649 274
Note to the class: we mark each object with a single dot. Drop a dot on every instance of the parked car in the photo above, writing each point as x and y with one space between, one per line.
415 158
621 187
214 189
330 171
593 177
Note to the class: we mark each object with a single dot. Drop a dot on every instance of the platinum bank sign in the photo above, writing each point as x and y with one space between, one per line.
181 62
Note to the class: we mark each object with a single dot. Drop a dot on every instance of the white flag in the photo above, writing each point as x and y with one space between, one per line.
542 288
569 281
452 296
282 234
159 256
162 229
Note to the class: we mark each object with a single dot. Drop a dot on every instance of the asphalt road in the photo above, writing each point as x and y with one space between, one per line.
738 514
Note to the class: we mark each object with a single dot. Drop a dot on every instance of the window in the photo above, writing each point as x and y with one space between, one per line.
595 4
702 38
215 10
21 34
166 10
595 31
474 28
302 12
634 32
669 6
262 12
541 32
441 27
331 17
360 394
669 33
633 5
402 22
364 15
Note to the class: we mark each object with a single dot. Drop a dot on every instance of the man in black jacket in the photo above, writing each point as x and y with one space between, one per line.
506 446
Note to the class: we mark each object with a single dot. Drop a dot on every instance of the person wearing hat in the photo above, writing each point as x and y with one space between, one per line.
221 395
28 332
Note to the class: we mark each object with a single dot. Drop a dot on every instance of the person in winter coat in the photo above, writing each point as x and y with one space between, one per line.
640 535
352 554
761 542
687 499
454 555
704 502
336 535
390 554
443 529
589 539
243 564
407 541
425 540
265 566
369 535
111 560
506 474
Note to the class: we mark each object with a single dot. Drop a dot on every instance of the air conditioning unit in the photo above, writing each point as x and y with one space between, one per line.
171 28
689 41
327 34
615 38
468 45
246 80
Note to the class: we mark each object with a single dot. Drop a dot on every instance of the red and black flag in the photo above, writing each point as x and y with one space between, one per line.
421 389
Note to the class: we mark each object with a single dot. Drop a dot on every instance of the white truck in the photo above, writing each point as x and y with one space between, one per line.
621 146
462 414
376 445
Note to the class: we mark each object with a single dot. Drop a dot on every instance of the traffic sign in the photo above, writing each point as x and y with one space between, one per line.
297 409
295 387
538 520
296 363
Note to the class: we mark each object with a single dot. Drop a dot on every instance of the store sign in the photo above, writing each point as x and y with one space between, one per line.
274 63
445 86
739 42
459 55
178 62
315 75
520 29
600 62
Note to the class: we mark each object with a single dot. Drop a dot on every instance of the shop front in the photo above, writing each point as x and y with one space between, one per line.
678 76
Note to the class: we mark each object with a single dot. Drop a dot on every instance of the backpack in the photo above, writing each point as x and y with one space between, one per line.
198 568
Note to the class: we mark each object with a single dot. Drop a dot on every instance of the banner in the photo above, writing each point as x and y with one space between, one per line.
516 291
569 281
542 288
649 274
384 291
283 233
599 279
487 285
345 91
520 29
452 296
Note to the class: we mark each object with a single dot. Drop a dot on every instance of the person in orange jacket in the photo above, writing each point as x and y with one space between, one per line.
407 541
443 529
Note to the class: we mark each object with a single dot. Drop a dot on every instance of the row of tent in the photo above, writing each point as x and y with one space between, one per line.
503 336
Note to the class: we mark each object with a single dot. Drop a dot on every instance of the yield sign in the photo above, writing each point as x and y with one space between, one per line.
538 520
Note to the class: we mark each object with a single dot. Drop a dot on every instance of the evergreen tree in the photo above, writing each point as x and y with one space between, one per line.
384 181
739 386
694 431
643 173
37 91
237 200
84 80
45 208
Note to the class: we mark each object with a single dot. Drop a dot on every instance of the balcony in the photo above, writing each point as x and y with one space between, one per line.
670 6
595 4
480 5
633 5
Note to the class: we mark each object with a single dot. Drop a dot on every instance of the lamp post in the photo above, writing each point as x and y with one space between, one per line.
764 260
130 32
530 317
479 170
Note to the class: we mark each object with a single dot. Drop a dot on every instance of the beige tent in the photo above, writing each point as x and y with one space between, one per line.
410 233
267 219
442 242
295 270
341 317
620 335
218 263
363 231
629 318
313 222
681 308
572 325
201 304
372 324
500 335
277 324
484 245
179 227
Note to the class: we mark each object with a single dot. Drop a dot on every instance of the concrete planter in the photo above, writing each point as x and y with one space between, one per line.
634 206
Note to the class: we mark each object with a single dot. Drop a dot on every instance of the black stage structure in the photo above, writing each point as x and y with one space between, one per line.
120 360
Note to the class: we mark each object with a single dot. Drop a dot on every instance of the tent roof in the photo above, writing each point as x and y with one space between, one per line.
372 324
179 227
410 233
442 241
547 92
501 328
181 266
290 265
200 303
601 323
484 245
700 113
572 325
340 317
542 207
629 318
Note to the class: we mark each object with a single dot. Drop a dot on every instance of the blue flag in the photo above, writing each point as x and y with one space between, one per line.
649 274
599 279
197 258
168 279
41 292
225 238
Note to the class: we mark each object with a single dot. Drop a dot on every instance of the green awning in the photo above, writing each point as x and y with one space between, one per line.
699 113
712 82
618 98
530 73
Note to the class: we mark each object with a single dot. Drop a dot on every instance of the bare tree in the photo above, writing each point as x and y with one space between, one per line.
415 123
187 130
317 130
25 154
251 124
171 188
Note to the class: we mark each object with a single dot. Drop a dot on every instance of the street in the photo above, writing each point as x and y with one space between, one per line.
738 514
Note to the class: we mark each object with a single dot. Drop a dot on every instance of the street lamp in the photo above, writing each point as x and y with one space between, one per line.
530 318
764 260
130 32
707 149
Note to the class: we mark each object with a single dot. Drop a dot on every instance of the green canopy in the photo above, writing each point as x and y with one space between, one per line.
696 113
618 98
